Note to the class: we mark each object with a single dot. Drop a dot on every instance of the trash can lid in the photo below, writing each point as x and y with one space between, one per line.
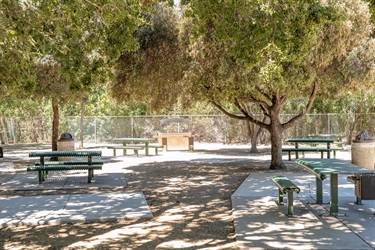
66 136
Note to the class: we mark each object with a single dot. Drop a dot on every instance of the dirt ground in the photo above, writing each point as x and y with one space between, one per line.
190 202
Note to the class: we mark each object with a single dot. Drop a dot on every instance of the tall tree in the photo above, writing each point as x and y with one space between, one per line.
150 75
290 49
85 38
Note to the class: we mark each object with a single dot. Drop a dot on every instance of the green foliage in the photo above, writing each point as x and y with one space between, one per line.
286 47
150 74
83 37
101 104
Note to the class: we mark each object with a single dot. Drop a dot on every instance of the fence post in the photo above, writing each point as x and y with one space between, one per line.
95 129
226 128
132 126
329 123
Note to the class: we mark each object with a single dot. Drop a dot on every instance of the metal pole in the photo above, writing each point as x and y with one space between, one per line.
95 130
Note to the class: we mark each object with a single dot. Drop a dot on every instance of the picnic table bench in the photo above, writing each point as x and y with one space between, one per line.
43 166
286 186
124 148
135 144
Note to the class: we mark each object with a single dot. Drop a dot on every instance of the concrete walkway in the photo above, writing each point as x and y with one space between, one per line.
261 223
104 205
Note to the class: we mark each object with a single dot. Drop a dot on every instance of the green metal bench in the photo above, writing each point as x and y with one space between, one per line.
286 186
311 149
124 148
43 166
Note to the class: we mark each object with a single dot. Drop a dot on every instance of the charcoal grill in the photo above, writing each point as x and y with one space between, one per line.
365 186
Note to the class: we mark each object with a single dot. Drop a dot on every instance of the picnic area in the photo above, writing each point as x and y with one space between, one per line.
187 124
217 197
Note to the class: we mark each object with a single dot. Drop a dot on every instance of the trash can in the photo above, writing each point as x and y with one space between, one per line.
65 143
363 151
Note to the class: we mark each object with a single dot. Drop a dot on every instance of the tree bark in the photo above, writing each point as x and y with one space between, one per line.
276 132
55 124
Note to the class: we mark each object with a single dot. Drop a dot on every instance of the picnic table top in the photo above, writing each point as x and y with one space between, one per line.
134 139
322 167
325 135
65 153
310 140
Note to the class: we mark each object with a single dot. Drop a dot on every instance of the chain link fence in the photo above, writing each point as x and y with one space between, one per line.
211 128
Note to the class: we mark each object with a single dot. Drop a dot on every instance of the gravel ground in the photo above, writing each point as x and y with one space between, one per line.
190 202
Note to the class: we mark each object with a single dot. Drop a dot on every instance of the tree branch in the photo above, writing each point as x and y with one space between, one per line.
293 120
250 117
226 112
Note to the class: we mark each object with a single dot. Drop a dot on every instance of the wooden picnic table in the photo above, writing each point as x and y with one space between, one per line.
144 141
333 167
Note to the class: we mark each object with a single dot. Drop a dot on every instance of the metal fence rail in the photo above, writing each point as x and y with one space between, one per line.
212 128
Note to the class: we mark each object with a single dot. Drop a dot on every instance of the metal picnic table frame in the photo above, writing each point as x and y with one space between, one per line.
146 142
320 168
296 142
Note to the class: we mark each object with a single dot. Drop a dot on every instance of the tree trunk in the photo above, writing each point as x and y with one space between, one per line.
352 127
254 138
81 124
55 125
276 132
253 135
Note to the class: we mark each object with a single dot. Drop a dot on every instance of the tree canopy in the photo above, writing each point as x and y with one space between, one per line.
287 49
61 49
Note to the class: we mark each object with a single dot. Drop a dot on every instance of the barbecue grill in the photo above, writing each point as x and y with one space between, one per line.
365 186
176 141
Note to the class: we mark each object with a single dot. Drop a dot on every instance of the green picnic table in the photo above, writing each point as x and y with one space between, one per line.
333 167
313 141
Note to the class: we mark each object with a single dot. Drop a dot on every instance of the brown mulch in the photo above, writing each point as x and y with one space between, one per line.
190 201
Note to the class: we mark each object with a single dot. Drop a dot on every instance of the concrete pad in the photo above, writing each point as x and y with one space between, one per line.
65 180
29 210
6 166
360 218
260 223
57 209
105 207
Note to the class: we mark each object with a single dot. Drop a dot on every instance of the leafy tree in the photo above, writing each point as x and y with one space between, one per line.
151 74
354 107
84 38
288 49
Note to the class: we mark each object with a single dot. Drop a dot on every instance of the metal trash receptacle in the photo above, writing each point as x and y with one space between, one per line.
363 151
65 143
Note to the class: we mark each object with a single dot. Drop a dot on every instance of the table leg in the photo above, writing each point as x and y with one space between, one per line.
334 209
319 191
329 152
146 148
296 146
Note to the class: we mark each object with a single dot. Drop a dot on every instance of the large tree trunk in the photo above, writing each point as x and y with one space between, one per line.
254 139
253 133
276 131
55 125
